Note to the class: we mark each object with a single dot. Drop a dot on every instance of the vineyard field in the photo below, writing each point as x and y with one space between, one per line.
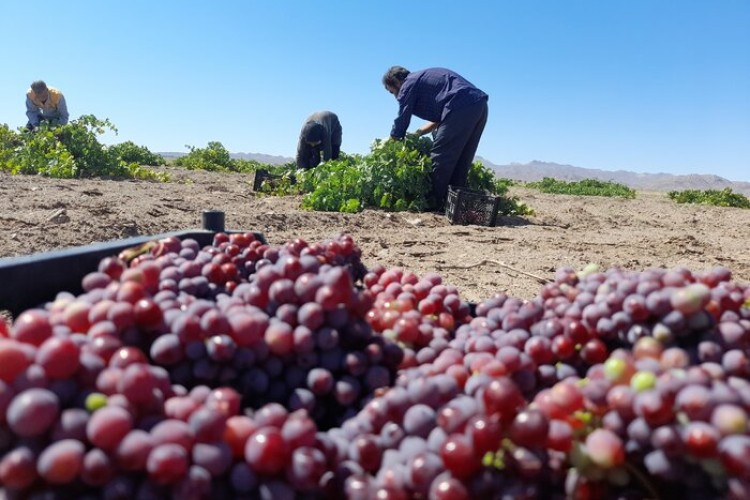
40 214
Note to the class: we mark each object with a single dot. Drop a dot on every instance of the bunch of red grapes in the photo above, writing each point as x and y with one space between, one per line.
244 370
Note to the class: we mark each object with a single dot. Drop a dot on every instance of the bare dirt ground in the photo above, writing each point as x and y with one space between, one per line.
40 214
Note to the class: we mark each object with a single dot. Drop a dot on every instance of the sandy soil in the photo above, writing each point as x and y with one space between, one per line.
39 214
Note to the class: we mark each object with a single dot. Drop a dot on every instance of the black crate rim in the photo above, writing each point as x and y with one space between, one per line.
29 281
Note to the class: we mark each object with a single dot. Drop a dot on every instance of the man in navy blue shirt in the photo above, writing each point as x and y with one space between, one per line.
452 106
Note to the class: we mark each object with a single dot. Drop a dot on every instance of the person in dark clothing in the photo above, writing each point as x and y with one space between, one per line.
454 109
321 133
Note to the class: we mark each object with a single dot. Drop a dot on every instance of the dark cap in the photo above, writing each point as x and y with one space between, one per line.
313 132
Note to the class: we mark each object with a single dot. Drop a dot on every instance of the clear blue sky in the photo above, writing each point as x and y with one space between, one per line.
640 85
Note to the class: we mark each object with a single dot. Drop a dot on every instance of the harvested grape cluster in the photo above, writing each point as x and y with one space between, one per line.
244 370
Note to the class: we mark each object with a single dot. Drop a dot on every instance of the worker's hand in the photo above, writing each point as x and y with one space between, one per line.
416 134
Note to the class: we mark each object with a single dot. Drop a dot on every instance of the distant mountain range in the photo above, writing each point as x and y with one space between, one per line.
537 170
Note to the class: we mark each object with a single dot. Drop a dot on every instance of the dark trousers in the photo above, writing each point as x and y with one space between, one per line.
456 141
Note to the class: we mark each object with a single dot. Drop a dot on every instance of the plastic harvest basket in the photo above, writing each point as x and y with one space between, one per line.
466 206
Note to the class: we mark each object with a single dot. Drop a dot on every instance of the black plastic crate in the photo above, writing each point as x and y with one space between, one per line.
467 206
30 281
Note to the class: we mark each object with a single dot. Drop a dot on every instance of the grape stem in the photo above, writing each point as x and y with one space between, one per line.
540 279
643 480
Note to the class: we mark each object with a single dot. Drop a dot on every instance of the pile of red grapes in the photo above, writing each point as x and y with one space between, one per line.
245 370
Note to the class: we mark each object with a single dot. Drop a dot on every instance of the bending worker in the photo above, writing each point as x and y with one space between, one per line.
321 133
45 104
454 109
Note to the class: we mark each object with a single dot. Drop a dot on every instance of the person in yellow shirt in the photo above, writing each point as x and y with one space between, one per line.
45 104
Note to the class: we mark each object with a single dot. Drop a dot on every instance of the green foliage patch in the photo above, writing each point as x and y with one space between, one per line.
585 187
216 158
395 176
719 198
130 152
68 151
